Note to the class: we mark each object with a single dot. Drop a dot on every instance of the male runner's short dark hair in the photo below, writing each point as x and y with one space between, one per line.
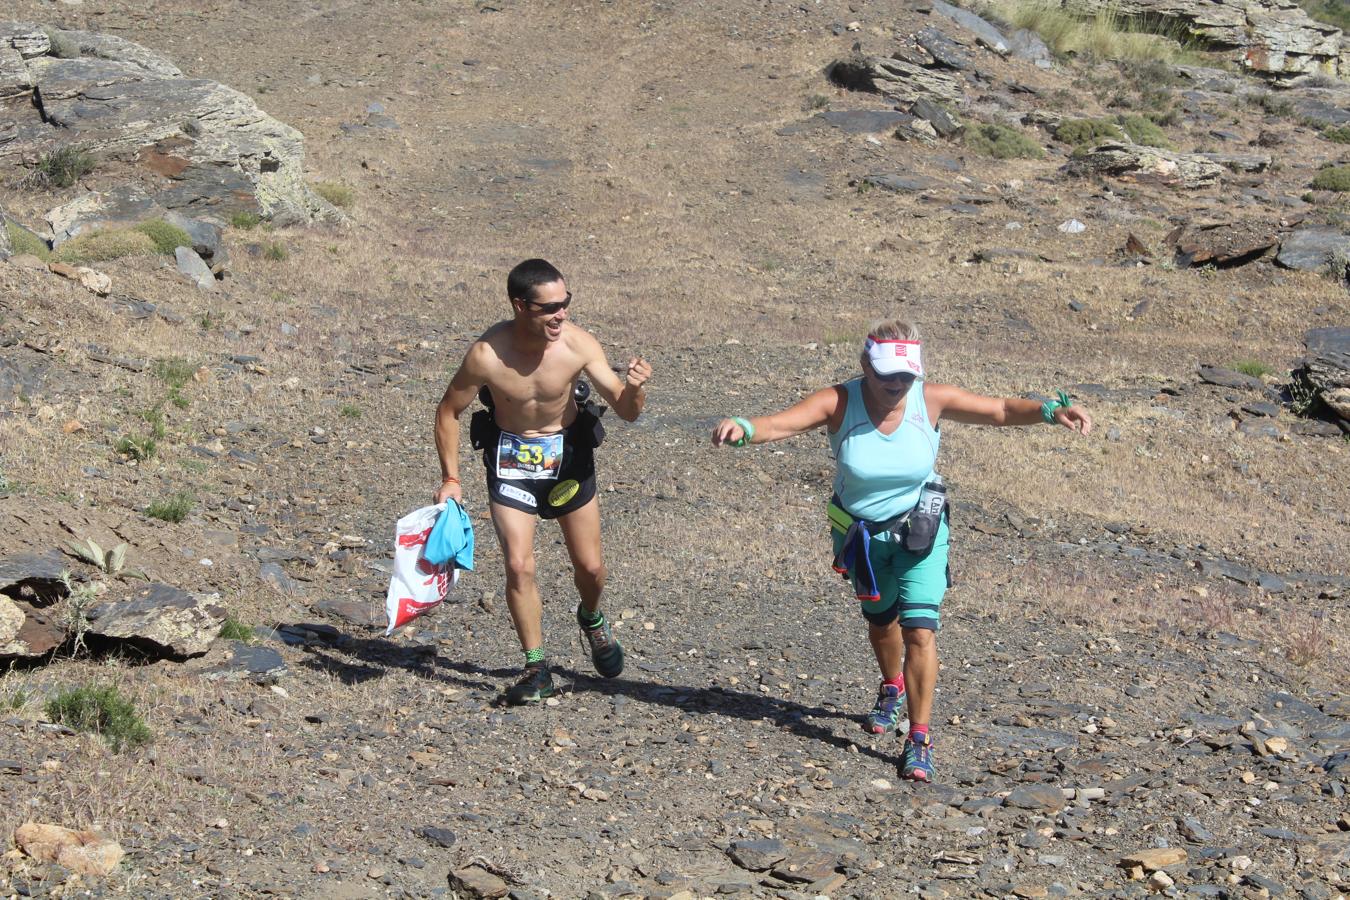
527 276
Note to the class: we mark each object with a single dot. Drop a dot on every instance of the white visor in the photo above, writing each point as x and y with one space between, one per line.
889 356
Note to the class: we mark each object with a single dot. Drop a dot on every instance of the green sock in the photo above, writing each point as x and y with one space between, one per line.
590 619
534 657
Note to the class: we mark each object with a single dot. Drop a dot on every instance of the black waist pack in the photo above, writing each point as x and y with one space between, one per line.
483 430
588 426
919 529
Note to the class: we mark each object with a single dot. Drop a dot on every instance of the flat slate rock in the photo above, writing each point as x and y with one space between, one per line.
259 665
985 33
863 121
1313 249
903 184
758 855
943 49
1016 738
440 837
41 571
1222 377
1332 343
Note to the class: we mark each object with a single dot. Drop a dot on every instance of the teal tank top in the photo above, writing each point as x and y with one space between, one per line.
879 476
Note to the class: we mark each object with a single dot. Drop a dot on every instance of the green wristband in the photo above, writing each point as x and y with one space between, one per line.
747 428
1049 407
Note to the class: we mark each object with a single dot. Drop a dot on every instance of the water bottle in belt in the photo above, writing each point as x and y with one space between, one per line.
921 528
933 497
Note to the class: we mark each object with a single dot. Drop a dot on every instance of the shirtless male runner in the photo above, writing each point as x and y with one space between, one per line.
538 448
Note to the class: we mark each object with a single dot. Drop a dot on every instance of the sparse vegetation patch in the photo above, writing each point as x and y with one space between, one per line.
1086 132
336 193
103 710
62 168
170 509
24 241
167 238
1143 130
1332 178
235 630
1002 142
105 245
1252 367
1338 135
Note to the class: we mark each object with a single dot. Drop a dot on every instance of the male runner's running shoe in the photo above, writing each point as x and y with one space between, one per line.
916 761
606 651
534 684
887 711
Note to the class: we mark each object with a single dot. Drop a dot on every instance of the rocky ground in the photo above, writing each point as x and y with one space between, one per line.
1143 685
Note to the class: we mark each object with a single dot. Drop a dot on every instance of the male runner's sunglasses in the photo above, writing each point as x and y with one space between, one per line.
549 309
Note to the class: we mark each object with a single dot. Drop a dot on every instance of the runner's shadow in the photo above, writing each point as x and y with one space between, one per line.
375 655
786 714
356 660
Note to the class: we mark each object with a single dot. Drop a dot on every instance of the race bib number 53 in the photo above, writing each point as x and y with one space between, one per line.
529 458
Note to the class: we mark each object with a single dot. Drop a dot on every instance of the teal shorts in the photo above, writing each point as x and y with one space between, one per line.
911 586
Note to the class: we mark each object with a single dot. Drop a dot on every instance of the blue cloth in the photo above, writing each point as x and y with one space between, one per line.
856 555
451 538
879 476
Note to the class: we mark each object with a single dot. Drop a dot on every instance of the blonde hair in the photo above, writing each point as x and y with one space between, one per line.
894 330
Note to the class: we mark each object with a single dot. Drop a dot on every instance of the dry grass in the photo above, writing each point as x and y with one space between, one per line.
105 245
1104 34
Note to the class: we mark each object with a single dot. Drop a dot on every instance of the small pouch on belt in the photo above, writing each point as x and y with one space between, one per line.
483 429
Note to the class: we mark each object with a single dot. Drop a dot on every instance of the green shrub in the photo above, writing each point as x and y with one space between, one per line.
275 251
1332 178
349 411
138 447
1270 104
336 193
1252 367
154 417
1333 12
170 509
1087 132
1338 135
175 371
64 167
167 238
245 221
24 241
102 710
105 244
235 630
1002 142
1143 130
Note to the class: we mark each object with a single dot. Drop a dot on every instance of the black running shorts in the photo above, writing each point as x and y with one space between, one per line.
549 475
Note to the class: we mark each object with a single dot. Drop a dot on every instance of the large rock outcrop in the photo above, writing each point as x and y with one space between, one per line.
160 619
1327 367
204 146
903 80
1136 163
1274 38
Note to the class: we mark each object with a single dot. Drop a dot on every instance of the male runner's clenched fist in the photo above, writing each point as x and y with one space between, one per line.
638 372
